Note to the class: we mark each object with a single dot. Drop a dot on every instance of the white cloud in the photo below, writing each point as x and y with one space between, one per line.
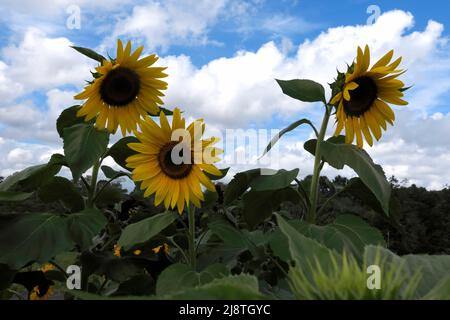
170 22
54 7
240 91
40 62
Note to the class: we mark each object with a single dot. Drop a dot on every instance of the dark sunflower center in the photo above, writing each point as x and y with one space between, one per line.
362 98
120 87
174 168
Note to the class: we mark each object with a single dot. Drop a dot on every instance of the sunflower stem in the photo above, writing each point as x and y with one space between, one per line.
314 192
192 249
93 187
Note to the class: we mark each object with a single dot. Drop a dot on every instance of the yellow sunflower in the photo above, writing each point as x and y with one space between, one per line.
38 293
362 105
172 161
123 90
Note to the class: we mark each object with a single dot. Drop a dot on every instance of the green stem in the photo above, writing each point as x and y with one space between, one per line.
104 186
192 249
93 187
322 208
311 215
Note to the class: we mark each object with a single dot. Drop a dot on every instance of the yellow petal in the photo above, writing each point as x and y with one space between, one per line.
366 131
357 130
384 60
384 109
349 132
373 125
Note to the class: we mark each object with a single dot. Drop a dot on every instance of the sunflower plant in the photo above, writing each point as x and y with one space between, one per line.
183 234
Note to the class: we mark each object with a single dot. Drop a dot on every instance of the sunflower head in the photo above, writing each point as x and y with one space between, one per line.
172 160
124 89
361 97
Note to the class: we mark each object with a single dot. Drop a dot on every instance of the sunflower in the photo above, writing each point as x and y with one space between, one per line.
124 89
174 181
362 103
41 293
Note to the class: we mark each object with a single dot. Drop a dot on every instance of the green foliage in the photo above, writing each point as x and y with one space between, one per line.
242 287
180 277
338 154
32 237
347 232
120 151
346 279
259 205
61 189
83 146
289 128
33 177
303 90
11 196
90 54
144 230
84 226
68 118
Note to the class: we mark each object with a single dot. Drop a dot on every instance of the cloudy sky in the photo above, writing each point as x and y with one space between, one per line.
222 58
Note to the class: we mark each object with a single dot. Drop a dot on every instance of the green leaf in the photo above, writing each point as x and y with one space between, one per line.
120 151
231 236
440 292
84 226
83 146
179 277
69 118
289 128
114 268
110 173
279 180
435 269
303 250
90 53
213 177
167 112
303 90
61 189
144 230
32 237
259 205
339 154
10 196
346 232
33 177
239 184
110 195
358 189
140 285
240 287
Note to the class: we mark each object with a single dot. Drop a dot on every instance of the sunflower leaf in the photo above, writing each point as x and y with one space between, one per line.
338 154
303 90
61 189
11 196
32 237
33 177
144 230
83 146
90 53
68 118
120 151
167 112
289 128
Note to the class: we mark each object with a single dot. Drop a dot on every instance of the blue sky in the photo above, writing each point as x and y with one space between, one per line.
223 56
